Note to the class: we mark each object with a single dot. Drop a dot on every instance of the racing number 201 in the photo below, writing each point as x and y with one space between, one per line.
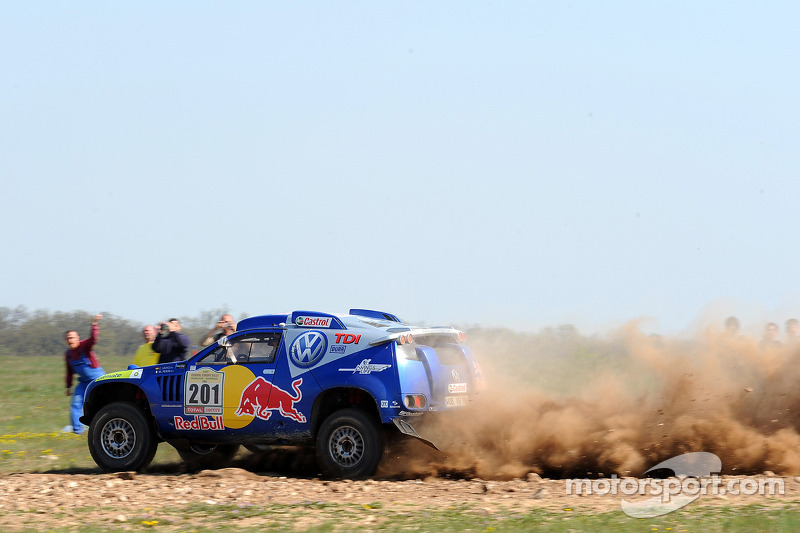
204 390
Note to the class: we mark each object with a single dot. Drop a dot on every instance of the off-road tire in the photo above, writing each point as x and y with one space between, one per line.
349 444
121 438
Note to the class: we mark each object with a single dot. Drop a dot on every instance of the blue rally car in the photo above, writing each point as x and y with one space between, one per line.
344 383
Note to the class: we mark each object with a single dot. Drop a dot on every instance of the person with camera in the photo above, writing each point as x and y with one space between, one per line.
171 343
225 326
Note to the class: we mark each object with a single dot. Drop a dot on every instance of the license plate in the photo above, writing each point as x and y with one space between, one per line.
455 401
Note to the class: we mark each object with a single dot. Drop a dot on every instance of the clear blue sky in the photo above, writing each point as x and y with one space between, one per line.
498 163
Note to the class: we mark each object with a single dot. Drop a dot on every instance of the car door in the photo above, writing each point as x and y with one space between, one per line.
229 387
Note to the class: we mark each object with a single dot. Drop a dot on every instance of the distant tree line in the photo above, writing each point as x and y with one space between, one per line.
26 333
31 333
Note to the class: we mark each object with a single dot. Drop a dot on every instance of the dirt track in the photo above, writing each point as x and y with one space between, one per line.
126 500
749 420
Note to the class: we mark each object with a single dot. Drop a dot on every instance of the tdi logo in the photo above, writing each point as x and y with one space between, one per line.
308 348
347 338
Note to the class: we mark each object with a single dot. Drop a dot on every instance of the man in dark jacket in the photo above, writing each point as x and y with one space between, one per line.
171 343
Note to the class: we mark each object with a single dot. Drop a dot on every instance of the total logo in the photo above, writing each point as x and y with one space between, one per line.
313 321
308 348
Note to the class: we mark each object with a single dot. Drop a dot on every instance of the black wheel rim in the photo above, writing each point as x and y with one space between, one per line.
346 446
118 438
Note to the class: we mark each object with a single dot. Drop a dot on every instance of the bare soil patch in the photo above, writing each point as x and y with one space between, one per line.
125 500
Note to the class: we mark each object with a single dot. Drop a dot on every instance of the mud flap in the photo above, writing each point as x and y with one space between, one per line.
406 428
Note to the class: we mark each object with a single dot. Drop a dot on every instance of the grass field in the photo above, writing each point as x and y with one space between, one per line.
35 409
317 517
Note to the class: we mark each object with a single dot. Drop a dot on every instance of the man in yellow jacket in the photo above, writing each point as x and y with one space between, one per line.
145 356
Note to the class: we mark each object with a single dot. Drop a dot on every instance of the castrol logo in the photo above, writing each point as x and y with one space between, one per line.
313 321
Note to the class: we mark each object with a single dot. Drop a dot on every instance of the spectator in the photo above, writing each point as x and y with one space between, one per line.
770 338
792 331
225 326
732 326
81 361
171 343
145 356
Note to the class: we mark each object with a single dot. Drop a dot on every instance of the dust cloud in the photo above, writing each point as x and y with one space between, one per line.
564 405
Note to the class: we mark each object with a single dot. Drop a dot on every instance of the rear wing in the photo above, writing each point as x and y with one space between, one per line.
380 315
407 334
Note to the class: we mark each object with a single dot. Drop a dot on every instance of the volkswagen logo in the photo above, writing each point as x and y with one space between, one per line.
308 348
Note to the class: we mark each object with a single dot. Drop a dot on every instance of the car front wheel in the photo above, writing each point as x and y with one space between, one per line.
349 445
121 438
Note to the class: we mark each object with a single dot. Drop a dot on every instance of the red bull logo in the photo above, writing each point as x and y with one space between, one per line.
199 423
261 397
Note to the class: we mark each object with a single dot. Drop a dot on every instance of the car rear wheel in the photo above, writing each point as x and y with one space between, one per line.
121 438
349 445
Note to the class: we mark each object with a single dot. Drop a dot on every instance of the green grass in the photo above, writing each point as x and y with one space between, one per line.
36 409
324 517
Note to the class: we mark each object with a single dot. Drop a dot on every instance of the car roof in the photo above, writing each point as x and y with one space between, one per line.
356 318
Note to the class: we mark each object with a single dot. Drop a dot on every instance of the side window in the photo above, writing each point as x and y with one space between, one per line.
258 348
265 350
262 348
241 350
215 357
